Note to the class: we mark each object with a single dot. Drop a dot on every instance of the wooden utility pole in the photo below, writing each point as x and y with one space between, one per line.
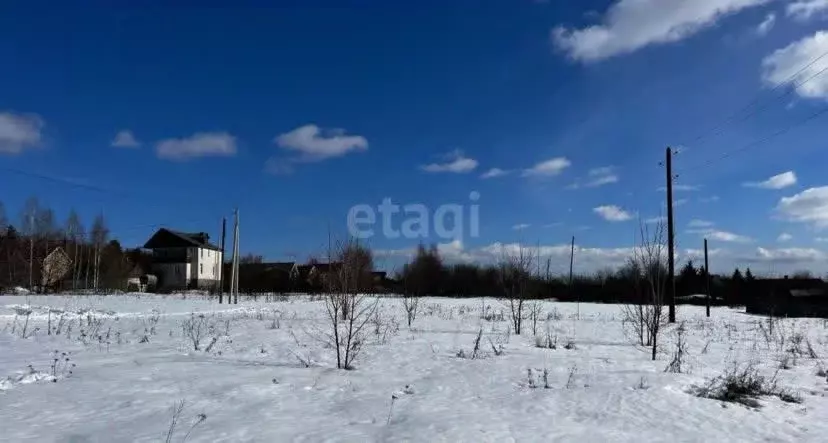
671 274
571 262
707 276
221 261
236 260
31 251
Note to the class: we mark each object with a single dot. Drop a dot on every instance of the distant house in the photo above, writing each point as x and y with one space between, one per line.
183 260
788 297
277 277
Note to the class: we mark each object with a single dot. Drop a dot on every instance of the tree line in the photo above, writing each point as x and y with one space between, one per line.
97 262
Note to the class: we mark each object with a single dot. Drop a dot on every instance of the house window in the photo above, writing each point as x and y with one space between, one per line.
202 252
201 268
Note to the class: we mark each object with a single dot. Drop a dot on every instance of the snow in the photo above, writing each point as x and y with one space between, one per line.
408 384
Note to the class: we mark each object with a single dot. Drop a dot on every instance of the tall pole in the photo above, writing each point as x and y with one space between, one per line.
233 262
671 278
571 262
221 261
236 261
31 251
707 276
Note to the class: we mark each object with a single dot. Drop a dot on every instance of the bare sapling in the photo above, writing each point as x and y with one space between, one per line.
645 317
347 307
514 272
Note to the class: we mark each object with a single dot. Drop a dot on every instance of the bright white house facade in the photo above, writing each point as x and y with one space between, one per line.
183 260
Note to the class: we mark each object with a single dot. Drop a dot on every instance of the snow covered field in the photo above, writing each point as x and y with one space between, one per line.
125 361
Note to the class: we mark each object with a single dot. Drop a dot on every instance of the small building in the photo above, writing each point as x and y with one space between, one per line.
182 260
788 297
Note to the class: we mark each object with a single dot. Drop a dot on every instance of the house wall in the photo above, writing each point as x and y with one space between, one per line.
173 275
206 267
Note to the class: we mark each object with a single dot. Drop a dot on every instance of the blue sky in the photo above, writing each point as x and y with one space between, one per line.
297 112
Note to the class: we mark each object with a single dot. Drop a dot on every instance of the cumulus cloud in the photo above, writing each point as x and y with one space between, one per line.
19 132
456 162
778 181
315 144
783 66
784 237
548 168
494 172
629 25
720 235
788 255
201 144
805 9
809 206
766 25
612 213
125 139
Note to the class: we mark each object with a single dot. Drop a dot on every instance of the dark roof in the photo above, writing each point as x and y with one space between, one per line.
167 238
267 267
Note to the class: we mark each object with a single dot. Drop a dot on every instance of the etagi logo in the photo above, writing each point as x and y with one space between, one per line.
415 220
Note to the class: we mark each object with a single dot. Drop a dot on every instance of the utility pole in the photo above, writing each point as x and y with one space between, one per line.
31 251
235 289
571 262
221 261
707 277
671 277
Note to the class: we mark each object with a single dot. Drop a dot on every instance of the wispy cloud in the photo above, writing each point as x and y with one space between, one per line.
456 162
202 144
597 177
629 25
612 213
19 132
548 168
680 188
766 25
520 226
779 181
784 237
125 139
696 223
495 172
805 9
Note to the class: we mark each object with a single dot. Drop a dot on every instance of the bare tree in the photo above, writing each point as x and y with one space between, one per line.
649 275
99 235
75 234
514 273
348 308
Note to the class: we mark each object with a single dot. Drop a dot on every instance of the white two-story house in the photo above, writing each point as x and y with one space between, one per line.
183 260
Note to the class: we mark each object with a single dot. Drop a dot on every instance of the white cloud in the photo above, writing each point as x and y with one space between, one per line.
809 206
821 239
778 181
548 168
315 144
201 144
553 225
629 25
783 66
597 177
766 25
679 202
680 188
457 163
19 132
612 213
788 255
520 227
719 235
805 9
696 223
655 220
784 237
711 199
495 172
125 139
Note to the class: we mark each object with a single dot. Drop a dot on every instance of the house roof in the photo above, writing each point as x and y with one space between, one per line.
167 238
285 267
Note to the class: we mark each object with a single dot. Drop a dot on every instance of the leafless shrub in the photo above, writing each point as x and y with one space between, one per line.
645 318
177 409
744 386
200 326
411 304
348 309
514 275
676 364
475 349
535 313
571 379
